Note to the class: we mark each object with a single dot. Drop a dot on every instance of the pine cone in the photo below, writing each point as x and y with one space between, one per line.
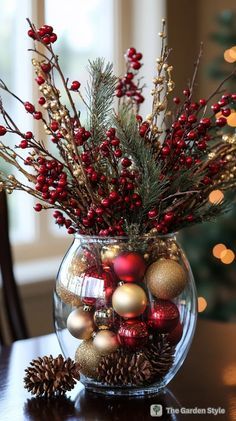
50 376
161 357
122 368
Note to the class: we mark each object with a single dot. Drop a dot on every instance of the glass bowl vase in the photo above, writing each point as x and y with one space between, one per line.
125 309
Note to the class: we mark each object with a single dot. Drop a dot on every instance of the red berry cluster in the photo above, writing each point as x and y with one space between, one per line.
143 127
117 189
81 136
30 108
189 129
134 58
44 34
51 180
126 85
62 221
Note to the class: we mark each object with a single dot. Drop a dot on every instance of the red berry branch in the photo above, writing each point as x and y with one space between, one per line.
119 174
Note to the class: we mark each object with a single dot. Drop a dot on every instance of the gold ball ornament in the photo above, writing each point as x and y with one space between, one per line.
106 342
80 323
109 253
104 318
129 300
166 279
88 357
67 296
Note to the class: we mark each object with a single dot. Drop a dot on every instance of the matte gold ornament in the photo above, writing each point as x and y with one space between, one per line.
166 279
104 318
106 342
109 253
129 300
89 358
80 323
67 296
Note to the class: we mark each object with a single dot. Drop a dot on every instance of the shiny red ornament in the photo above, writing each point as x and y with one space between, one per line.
164 316
129 267
175 335
133 334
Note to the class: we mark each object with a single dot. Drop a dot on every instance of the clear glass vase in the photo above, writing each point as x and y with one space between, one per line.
125 309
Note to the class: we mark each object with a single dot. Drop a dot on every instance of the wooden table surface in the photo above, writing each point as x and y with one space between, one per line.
206 380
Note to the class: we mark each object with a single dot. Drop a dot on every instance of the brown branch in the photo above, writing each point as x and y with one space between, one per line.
196 68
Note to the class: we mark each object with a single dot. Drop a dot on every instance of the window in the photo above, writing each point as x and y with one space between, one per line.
86 29
15 67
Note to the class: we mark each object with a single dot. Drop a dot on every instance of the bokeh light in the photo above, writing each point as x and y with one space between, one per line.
227 256
232 52
216 196
202 304
231 120
229 375
228 57
218 249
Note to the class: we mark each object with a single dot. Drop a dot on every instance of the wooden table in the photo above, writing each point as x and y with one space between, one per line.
206 380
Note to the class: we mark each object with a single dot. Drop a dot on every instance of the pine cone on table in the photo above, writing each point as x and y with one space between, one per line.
48 376
122 368
161 356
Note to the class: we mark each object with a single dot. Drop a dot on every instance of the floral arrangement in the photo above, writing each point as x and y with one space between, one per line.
120 174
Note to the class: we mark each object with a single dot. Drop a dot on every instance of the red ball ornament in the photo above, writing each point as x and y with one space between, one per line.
129 267
175 335
133 334
164 316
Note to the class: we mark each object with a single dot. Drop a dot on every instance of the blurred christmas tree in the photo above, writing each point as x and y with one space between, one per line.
216 277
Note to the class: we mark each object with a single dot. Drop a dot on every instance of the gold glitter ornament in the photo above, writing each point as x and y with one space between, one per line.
106 342
78 266
88 357
67 296
129 300
104 318
166 279
80 323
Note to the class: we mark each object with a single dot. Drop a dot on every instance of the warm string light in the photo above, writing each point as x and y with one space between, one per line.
202 304
230 55
216 196
229 375
231 119
217 250
225 255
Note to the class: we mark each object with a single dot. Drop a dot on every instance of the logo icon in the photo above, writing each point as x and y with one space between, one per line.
156 410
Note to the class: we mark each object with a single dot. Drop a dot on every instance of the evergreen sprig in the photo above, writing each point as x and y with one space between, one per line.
100 92
150 187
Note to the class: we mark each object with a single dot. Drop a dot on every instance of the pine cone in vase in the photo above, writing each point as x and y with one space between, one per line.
161 356
48 376
123 367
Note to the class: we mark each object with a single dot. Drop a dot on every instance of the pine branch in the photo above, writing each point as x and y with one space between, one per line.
100 93
151 187
206 212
